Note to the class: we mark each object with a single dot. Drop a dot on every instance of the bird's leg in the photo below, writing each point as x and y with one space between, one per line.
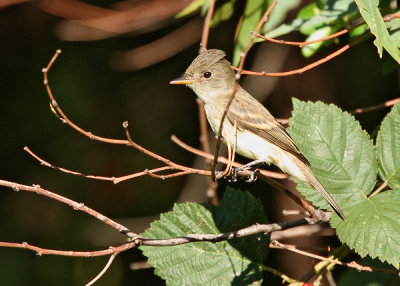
252 165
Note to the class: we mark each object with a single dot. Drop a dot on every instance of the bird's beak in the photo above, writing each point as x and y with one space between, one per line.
182 80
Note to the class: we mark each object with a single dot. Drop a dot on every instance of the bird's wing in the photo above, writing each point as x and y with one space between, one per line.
246 112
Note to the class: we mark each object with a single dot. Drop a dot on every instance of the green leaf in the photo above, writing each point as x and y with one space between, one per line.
223 13
192 7
205 7
370 12
204 263
341 154
253 12
285 28
388 148
310 50
309 11
335 11
279 13
343 158
314 16
372 227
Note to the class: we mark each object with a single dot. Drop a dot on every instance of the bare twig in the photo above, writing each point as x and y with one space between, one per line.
301 70
43 251
339 253
98 276
204 140
263 20
254 229
302 44
206 26
75 205
306 68
219 137
375 107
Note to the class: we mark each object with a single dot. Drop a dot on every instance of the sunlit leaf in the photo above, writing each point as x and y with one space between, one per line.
388 148
223 13
373 227
370 12
205 263
253 12
192 7
341 154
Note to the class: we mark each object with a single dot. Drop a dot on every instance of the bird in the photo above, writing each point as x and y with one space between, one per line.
248 124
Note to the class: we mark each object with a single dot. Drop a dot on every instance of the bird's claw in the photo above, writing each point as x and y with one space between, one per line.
234 175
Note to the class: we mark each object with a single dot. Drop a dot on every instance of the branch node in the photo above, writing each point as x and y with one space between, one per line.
113 180
78 206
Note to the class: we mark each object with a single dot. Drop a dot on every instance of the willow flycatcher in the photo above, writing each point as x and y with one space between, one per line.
258 135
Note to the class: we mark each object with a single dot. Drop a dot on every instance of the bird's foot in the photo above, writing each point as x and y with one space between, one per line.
234 174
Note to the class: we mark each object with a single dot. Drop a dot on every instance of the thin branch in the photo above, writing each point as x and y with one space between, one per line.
206 27
339 253
75 205
390 17
116 180
43 251
204 140
306 68
254 229
98 276
219 137
58 111
263 20
205 143
302 44
301 70
375 107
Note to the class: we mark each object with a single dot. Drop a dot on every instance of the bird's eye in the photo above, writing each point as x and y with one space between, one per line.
207 74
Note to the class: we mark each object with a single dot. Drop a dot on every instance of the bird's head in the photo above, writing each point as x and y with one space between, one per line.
209 76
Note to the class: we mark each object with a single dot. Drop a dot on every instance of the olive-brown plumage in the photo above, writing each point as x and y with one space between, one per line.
258 135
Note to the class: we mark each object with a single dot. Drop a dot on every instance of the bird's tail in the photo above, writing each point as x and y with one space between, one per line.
317 185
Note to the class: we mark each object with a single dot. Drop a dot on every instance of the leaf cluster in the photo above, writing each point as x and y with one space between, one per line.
319 19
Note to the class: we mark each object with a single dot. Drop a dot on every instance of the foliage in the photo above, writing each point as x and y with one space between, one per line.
205 263
343 158
318 19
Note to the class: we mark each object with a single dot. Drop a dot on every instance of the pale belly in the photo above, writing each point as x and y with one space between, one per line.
254 147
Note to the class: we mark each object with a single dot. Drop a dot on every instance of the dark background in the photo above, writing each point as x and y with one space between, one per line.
95 95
